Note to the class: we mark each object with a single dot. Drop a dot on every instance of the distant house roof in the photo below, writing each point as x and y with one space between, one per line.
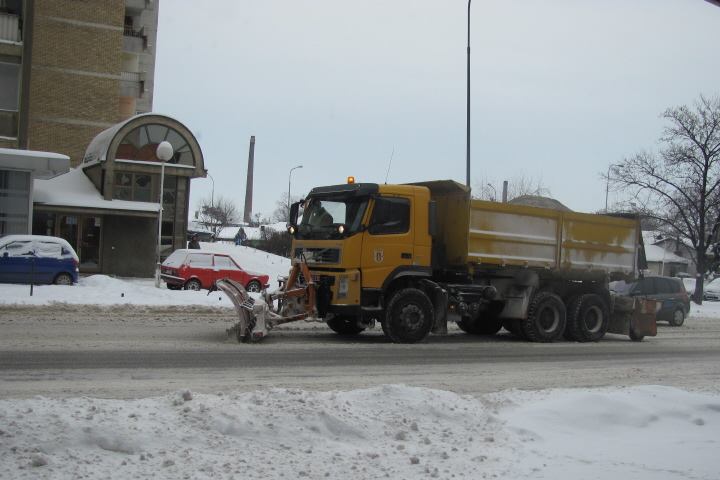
539 201
74 189
655 253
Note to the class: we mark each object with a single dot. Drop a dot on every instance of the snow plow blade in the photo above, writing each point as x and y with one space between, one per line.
634 316
257 316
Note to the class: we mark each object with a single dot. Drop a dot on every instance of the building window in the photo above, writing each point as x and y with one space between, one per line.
14 202
133 186
141 145
9 90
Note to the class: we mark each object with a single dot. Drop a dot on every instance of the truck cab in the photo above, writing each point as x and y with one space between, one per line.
358 239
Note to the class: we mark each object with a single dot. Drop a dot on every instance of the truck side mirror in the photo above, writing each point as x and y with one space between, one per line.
292 221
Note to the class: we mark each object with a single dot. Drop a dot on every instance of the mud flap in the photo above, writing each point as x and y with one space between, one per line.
636 315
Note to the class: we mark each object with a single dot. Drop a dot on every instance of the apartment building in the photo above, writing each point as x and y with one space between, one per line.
70 69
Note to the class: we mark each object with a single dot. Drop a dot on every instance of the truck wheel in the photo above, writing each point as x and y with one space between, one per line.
481 325
678 317
344 325
409 316
546 318
588 319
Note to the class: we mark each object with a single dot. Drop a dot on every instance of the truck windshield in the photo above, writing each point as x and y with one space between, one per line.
322 216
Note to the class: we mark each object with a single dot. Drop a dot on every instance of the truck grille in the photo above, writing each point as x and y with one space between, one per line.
319 255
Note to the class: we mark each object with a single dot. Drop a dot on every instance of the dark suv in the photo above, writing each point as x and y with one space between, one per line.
670 292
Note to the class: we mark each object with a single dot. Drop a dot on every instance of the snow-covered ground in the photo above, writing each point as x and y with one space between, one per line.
392 431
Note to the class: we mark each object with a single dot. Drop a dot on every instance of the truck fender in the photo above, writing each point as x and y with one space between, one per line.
440 299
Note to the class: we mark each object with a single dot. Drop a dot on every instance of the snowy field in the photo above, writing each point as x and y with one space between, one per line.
392 431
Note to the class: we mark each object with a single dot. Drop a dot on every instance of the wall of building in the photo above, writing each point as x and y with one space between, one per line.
128 246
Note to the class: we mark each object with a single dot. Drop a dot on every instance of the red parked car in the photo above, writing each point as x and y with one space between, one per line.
195 269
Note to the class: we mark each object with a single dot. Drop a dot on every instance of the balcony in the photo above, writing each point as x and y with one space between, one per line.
8 123
10 28
134 40
132 84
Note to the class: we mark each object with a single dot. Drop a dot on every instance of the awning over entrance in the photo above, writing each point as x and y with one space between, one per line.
74 191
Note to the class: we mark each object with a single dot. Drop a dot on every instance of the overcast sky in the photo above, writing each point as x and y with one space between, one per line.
560 88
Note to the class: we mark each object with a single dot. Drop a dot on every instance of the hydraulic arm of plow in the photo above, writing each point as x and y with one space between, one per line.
294 301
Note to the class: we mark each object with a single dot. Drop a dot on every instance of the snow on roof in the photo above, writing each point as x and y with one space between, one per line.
74 189
32 153
40 238
655 253
253 233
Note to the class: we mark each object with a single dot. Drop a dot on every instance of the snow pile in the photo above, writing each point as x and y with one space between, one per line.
251 259
104 290
392 431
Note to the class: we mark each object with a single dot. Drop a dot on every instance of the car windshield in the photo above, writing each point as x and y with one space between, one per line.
175 259
322 217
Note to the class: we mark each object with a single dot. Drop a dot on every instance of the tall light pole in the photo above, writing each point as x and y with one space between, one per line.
467 135
494 199
164 153
289 177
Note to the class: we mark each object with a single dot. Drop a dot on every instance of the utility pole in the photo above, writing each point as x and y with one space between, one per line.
467 134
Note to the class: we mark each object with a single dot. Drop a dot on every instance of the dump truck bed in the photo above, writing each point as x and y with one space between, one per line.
501 234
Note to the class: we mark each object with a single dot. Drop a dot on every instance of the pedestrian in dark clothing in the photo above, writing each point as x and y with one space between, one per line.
194 243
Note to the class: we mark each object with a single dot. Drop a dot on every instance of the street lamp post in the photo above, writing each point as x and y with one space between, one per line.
164 153
467 134
289 177
494 191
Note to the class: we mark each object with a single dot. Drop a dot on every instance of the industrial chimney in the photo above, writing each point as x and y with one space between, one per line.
247 217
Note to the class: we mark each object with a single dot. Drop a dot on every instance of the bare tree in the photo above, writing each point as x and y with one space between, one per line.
519 185
679 186
282 209
217 215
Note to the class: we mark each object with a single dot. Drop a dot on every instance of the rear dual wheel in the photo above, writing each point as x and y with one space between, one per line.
588 318
546 318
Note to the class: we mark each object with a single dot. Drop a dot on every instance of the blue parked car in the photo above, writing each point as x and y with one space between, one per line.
37 259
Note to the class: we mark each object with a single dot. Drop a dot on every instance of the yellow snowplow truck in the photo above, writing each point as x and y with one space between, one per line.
413 256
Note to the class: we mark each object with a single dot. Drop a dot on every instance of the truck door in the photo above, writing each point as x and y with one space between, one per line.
388 240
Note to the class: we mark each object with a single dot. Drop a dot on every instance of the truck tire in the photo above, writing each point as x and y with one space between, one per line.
481 325
409 316
344 325
588 318
546 318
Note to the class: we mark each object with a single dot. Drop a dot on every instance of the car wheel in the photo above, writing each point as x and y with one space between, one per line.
193 284
254 286
678 317
63 279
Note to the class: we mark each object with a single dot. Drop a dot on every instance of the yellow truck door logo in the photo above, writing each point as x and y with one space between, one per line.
378 255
